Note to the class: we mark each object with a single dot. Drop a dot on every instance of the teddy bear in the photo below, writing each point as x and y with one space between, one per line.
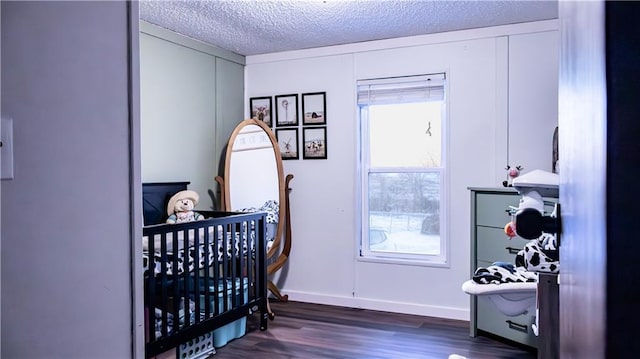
180 207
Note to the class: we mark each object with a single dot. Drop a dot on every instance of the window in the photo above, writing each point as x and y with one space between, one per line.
402 123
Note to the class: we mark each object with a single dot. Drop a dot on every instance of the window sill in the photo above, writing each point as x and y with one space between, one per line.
439 263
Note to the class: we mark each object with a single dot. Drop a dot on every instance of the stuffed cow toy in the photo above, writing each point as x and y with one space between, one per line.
180 207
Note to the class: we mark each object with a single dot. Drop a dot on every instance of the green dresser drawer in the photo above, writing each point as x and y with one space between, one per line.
494 245
490 244
516 328
491 209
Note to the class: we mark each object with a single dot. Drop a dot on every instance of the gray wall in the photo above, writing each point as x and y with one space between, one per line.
66 217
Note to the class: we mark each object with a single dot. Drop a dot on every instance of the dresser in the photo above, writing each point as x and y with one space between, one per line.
489 243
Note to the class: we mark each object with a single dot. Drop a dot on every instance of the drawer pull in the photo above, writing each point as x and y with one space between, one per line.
512 250
518 327
511 210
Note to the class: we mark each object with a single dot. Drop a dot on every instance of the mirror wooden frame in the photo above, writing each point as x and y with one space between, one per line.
280 251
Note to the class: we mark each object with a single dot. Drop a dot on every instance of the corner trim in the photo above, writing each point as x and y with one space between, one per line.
135 181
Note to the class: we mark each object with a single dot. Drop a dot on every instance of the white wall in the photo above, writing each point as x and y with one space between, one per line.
323 266
533 106
68 216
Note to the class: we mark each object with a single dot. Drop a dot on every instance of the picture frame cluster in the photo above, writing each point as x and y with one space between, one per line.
284 118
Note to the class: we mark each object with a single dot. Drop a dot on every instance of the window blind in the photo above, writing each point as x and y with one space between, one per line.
401 89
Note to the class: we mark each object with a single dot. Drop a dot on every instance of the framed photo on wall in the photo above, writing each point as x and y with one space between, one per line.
287 110
314 140
288 143
260 109
314 108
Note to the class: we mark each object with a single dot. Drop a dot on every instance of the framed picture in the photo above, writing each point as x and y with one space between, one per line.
314 108
260 109
287 110
288 143
315 142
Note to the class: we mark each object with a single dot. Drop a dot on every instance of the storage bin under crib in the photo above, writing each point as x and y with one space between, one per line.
197 348
205 345
237 328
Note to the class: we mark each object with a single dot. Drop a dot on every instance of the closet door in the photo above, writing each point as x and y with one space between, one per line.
229 103
178 92
192 97
533 99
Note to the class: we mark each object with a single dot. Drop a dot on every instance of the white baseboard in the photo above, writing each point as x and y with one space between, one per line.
381 305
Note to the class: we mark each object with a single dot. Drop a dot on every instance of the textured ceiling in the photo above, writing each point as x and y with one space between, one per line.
251 27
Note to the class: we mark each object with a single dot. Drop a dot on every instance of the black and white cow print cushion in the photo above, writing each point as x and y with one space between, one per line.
540 255
270 207
272 211
502 272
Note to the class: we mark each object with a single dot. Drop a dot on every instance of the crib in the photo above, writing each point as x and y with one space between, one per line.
200 277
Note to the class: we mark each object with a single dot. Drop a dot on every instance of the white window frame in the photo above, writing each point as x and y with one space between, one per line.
364 253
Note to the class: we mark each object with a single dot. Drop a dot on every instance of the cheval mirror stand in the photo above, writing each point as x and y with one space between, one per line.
253 177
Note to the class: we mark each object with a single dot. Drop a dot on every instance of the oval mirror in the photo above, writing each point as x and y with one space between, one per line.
253 168
254 181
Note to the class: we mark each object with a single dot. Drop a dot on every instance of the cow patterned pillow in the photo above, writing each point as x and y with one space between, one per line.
540 255
270 207
502 272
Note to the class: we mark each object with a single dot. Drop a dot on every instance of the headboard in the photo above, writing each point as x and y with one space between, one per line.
155 197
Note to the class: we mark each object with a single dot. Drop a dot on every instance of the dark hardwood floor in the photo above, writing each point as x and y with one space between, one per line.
303 330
